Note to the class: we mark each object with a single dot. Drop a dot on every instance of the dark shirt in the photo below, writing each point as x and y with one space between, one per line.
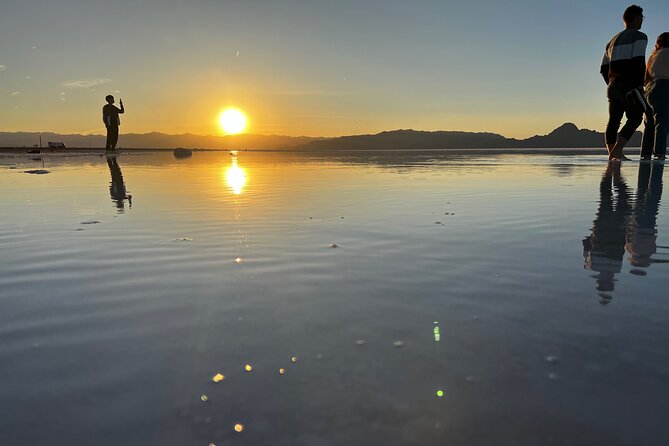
624 59
110 115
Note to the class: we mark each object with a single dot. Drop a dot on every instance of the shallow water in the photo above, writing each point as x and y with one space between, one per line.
529 289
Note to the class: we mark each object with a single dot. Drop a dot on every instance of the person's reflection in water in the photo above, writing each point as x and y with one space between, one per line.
117 186
604 249
642 231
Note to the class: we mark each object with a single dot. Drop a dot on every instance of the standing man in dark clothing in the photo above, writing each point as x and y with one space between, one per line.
110 117
623 68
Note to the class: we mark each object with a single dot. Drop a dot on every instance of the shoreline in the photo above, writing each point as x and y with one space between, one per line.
474 151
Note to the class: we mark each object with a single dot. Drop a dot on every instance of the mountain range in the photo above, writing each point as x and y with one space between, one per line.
566 136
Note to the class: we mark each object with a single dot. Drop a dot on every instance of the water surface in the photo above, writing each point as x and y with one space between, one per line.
528 290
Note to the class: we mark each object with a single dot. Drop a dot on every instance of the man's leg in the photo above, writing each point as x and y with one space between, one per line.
634 118
648 139
109 139
661 110
616 111
114 136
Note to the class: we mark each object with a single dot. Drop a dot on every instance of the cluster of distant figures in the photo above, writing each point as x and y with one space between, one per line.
637 90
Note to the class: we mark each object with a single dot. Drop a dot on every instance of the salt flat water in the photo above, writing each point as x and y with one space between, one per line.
431 298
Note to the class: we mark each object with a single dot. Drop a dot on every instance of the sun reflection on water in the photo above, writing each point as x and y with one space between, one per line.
235 176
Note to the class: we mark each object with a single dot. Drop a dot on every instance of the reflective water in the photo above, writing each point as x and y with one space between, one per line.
376 299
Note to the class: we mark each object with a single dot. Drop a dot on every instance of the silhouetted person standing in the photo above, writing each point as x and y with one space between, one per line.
112 121
623 68
657 87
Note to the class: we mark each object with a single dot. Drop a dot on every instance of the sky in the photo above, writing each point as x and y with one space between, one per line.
315 68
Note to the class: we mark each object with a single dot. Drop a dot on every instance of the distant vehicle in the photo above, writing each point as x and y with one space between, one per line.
56 145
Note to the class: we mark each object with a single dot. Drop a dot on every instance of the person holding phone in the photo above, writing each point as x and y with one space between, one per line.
112 121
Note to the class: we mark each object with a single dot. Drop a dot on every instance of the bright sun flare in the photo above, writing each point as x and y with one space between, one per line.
232 121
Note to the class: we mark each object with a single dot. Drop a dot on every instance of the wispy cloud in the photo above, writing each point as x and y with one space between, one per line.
85 83
3 67
15 93
310 93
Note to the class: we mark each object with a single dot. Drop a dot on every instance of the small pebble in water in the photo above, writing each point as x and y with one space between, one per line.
398 344
638 272
248 367
319 356
239 427
552 359
182 239
437 223
282 371
293 359
218 377
90 222
360 342
334 245
470 379
552 376
204 398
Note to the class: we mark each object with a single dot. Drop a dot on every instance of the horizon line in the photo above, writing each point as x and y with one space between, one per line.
300 136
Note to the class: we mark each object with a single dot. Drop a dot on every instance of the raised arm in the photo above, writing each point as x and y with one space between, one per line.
121 110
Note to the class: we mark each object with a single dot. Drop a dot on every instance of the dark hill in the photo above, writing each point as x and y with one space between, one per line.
565 136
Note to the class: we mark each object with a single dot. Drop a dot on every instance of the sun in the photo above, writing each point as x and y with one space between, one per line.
232 121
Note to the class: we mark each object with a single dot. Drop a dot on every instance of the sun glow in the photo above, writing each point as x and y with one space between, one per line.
235 177
232 121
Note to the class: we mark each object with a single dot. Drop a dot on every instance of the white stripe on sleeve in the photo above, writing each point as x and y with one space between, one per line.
639 48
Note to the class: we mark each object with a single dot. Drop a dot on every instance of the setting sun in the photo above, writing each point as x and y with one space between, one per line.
232 121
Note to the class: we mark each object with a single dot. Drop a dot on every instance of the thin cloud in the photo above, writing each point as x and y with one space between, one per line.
85 83
15 93
310 93
3 67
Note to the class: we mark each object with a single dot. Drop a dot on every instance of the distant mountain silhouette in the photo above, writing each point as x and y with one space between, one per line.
566 136
156 140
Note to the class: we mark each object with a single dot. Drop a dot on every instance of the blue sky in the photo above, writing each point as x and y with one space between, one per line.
314 68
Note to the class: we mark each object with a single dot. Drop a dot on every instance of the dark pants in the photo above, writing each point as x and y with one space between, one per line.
656 126
112 137
616 93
